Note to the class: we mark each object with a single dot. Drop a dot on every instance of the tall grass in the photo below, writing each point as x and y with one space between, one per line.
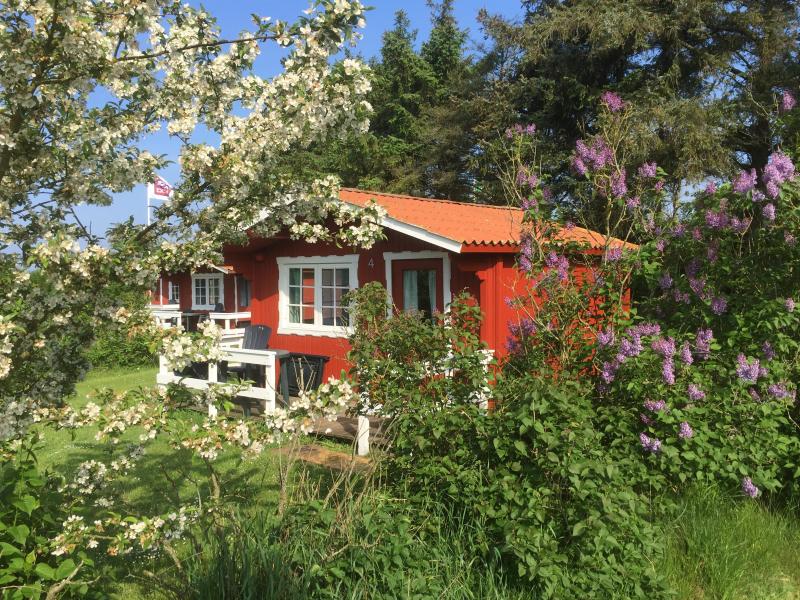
253 560
725 548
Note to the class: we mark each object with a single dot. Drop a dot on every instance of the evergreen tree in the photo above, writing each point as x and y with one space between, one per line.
704 77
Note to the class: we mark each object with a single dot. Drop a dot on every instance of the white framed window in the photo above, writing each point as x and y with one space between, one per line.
173 293
311 292
207 290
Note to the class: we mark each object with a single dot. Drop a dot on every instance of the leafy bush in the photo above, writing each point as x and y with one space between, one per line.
117 346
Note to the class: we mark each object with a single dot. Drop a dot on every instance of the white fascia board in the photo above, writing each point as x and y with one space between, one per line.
422 234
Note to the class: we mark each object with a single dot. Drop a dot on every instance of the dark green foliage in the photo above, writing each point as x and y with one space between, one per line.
118 346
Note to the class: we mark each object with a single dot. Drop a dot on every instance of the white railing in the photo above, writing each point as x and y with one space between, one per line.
266 358
228 318
166 315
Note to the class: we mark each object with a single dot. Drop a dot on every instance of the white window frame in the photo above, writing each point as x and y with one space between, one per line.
171 285
318 263
207 276
390 257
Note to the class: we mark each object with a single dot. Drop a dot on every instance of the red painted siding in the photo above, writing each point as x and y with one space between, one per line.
489 277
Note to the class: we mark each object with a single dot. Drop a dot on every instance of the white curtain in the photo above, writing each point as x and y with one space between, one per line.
411 290
410 293
432 289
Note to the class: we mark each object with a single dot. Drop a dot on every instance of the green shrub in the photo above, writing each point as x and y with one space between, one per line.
117 346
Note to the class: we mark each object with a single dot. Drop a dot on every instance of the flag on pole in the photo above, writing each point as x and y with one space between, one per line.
158 189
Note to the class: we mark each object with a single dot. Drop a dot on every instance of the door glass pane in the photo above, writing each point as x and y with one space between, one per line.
327 276
327 296
294 295
419 290
327 316
294 276
308 277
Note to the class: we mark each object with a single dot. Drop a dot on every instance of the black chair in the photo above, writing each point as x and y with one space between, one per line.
305 372
256 337
219 307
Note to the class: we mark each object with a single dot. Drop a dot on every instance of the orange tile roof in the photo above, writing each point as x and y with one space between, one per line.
464 223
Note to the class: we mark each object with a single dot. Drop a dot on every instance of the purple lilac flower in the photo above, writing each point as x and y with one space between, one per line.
679 230
526 177
697 285
711 188
649 444
594 156
768 350
668 371
613 101
780 391
695 393
768 212
579 167
717 219
686 354
569 225
659 185
559 263
754 394
529 203
520 129
787 101
525 328
749 488
665 281
661 244
645 419
605 338
702 342
655 405
664 347
613 254
685 431
712 252
633 202
789 304
745 181
547 194
648 170
681 296
779 169
748 371
609 371
758 196
697 235
789 238
618 185
719 305
740 226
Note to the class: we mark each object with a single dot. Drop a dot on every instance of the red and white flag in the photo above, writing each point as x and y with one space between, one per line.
159 189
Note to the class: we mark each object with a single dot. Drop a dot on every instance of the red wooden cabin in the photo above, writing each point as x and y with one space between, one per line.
433 249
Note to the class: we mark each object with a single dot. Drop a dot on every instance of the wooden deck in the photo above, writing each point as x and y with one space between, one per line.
343 428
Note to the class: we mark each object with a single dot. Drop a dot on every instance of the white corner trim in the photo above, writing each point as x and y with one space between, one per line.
284 264
390 257
221 278
422 234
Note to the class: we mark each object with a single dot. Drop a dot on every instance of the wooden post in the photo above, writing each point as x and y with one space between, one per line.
269 376
213 377
362 436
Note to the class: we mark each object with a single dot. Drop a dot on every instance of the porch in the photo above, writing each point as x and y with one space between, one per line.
267 393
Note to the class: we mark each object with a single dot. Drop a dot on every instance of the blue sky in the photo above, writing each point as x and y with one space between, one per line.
234 16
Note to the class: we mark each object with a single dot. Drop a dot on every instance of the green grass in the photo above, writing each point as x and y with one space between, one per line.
718 548
724 548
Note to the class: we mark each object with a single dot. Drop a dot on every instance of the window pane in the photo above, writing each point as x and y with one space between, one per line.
213 291
294 314
294 295
339 293
308 277
308 295
327 296
327 316
294 276
342 317
327 276
200 291
308 315
343 277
